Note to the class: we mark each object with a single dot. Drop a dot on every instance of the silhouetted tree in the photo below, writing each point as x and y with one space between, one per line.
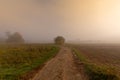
59 40
2 40
14 38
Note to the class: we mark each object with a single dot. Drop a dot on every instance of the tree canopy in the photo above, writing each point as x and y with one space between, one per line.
59 40
14 38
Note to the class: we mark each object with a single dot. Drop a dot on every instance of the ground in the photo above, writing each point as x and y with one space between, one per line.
61 67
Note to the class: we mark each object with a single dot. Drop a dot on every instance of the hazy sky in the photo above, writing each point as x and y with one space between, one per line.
42 20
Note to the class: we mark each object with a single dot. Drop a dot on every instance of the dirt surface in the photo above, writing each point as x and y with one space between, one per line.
62 67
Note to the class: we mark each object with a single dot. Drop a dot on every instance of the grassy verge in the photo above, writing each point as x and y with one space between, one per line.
18 60
97 72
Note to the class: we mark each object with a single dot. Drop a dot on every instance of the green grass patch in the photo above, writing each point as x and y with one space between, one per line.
97 72
15 61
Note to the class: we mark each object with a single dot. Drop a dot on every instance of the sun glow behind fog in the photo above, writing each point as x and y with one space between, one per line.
95 19
74 19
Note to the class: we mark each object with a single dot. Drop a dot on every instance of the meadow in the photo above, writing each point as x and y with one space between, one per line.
18 60
101 62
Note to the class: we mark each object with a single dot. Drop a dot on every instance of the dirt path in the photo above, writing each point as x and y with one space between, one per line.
61 67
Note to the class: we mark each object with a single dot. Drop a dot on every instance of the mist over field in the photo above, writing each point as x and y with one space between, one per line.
59 39
76 20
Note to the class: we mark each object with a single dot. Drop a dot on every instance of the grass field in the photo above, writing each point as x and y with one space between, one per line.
18 60
102 62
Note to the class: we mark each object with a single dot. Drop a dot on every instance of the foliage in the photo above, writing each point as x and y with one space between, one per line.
15 38
59 40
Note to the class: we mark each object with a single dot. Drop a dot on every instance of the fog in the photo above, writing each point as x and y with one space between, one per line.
76 20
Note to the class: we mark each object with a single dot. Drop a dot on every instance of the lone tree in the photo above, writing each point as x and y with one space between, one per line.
59 40
14 38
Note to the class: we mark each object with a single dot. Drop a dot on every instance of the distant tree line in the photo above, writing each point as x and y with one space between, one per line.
16 37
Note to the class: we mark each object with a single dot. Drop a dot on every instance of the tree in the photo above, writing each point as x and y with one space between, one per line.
14 38
2 40
59 40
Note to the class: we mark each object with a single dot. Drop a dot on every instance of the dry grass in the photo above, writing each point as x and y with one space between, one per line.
17 60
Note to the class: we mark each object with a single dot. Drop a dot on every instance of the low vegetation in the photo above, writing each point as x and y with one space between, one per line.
95 70
17 60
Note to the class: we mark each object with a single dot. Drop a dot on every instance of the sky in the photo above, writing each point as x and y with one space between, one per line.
76 20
